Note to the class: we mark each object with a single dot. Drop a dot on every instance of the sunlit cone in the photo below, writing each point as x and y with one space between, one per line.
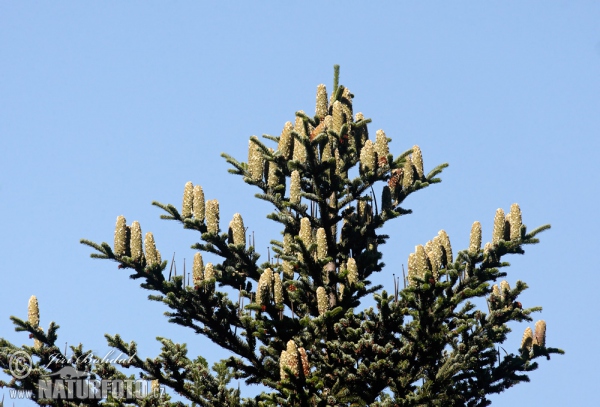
321 244
422 262
432 255
198 269
283 363
273 178
295 188
152 255
352 271
381 145
475 238
496 290
135 242
412 267
256 161
239 232
337 116
322 302
33 311
198 205
278 289
304 362
527 341
212 216
504 288
321 109
407 174
305 232
515 222
121 241
341 288
368 159
265 283
209 271
188 200
487 248
286 141
445 243
299 149
292 351
498 233
155 387
539 338
417 160
436 255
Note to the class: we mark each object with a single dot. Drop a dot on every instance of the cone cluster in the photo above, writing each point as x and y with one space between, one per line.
435 255
128 242
295 359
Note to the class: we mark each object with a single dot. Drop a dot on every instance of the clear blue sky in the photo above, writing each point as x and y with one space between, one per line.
106 106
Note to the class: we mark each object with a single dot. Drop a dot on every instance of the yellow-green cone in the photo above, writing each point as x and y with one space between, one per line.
288 268
198 269
152 255
337 116
431 253
212 216
445 243
381 146
286 141
292 361
422 262
408 176
417 160
515 222
321 244
539 338
33 311
188 200
295 187
263 291
283 363
136 242
273 178
321 108
209 271
368 159
121 240
527 341
198 205
352 272
239 232
412 267
256 161
475 238
498 233
299 153
496 290
306 232
278 289
347 107
504 288
322 302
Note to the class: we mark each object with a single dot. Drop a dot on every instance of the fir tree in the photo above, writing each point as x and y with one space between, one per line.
292 323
